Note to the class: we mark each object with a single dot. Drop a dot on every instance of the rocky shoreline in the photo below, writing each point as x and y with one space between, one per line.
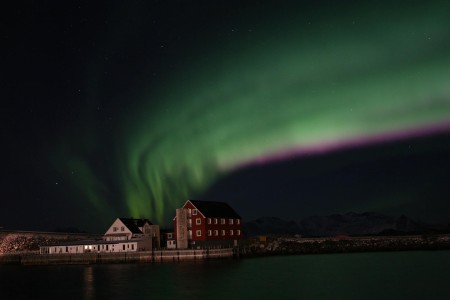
281 245
16 245
29 241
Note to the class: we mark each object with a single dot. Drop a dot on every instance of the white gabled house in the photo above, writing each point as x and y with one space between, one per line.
128 228
124 235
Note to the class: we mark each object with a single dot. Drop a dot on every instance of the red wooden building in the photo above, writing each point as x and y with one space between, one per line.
206 224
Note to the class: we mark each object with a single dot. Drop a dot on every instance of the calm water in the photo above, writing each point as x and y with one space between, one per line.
402 275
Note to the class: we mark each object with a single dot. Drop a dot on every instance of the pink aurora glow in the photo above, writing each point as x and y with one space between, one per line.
350 143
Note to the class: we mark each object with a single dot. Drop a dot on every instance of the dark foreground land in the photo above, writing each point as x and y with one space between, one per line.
273 245
23 247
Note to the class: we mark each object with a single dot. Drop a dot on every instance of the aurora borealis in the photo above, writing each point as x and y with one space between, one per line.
162 102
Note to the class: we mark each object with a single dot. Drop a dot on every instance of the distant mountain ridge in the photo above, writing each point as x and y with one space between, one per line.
367 223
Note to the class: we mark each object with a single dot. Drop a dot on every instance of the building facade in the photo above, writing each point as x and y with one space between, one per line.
124 235
206 224
129 228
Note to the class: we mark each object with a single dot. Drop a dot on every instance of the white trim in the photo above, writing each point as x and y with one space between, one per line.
198 210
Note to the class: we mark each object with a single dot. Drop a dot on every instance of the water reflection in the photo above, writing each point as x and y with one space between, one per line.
88 278
336 276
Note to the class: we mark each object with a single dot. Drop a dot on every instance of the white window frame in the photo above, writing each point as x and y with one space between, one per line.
209 232
198 233
209 220
238 232
223 232
198 221
216 232
194 212
222 221
215 221
231 232
238 221
230 221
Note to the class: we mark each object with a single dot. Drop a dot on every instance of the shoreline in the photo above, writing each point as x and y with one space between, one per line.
287 245
156 256
254 247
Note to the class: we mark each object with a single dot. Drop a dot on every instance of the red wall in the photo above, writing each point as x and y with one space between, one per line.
204 227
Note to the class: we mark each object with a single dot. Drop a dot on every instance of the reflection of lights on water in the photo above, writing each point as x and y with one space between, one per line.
88 283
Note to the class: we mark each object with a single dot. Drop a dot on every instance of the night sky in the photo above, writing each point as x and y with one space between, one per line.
129 108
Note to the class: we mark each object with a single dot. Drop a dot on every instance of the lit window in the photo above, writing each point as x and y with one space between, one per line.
209 232
222 221
231 232
198 221
209 220
223 232
238 232
231 221
215 220
199 233
194 212
216 232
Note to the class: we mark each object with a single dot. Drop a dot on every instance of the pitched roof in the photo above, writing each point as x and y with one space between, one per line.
134 224
215 209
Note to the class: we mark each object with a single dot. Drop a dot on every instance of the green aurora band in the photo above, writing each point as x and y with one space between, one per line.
265 92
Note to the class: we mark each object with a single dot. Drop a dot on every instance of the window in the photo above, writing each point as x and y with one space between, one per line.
123 247
215 220
209 220
222 221
199 233
223 232
132 246
115 229
194 212
238 232
231 232
216 233
238 221
122 228
169 235
209 233
230 221
198 221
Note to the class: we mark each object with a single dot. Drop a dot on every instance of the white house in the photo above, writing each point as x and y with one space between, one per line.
128 228
124 235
